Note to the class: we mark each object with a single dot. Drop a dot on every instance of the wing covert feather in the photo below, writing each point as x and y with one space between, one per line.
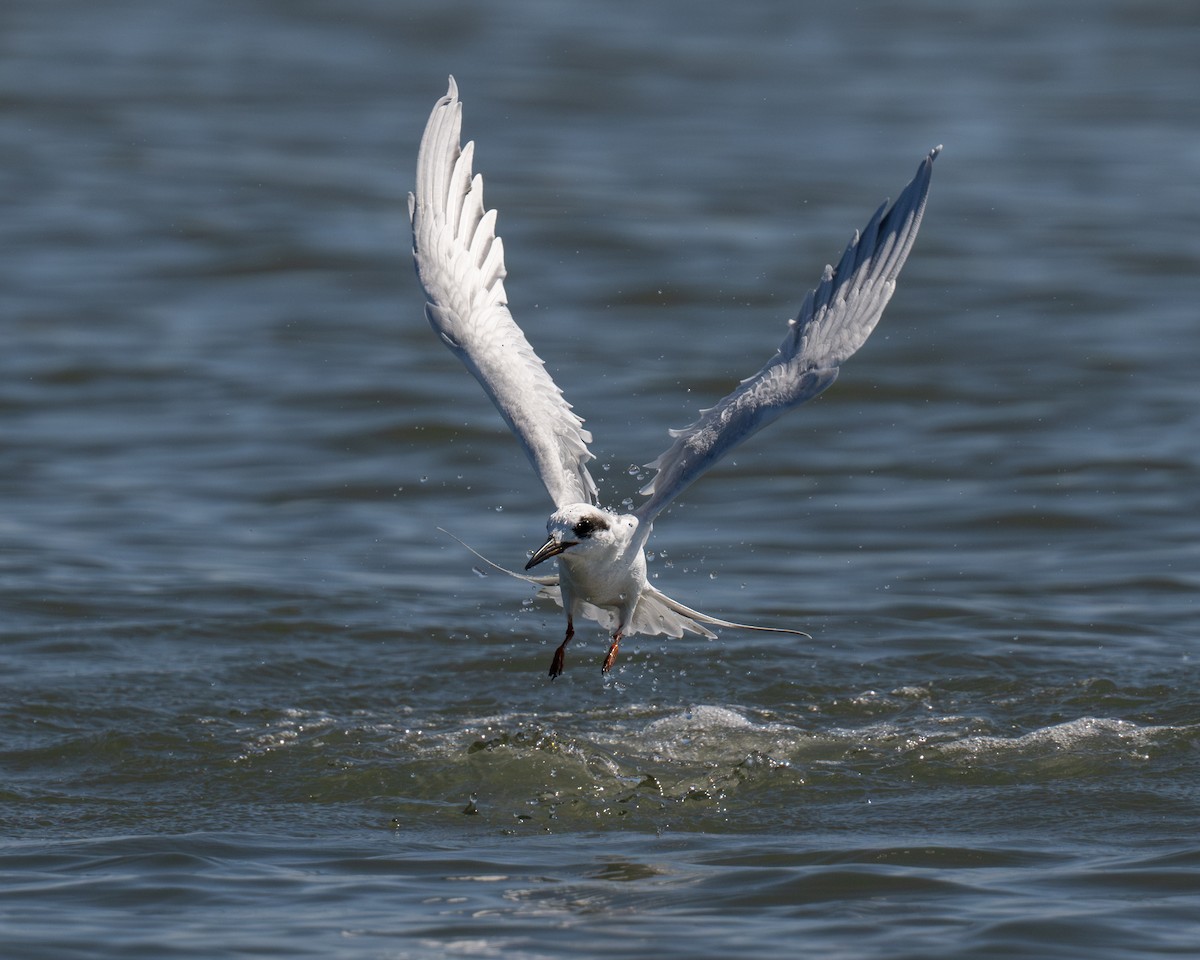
460 263
833 322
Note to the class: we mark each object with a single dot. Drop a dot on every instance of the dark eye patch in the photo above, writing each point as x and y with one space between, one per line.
587 526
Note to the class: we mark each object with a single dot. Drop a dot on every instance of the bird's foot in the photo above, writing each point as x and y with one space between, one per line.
556 665
612 656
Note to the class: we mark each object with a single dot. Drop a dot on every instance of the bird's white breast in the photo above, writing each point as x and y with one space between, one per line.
612 580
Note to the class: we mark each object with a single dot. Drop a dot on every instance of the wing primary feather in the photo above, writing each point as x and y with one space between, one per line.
460 263
834 320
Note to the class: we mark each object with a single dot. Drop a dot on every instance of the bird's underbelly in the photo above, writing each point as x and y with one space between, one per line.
608 596
606 591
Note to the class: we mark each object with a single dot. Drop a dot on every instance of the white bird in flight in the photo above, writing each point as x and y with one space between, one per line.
600 553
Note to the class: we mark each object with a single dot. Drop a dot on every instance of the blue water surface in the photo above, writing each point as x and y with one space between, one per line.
254 703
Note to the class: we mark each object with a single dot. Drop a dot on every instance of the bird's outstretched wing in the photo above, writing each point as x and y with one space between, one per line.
834 321
460 263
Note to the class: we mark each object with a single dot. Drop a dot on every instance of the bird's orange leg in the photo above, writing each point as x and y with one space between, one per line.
556 665
612 653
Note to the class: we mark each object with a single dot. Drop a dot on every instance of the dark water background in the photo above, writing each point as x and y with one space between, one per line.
252 703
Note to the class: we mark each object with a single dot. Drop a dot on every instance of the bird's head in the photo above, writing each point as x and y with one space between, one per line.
584 529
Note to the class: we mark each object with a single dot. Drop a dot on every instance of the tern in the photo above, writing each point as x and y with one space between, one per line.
600 553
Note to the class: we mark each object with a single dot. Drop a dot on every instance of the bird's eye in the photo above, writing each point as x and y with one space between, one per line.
584 528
